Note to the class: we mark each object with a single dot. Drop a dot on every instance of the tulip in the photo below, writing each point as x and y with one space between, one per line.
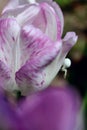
50 109
8 117
32 50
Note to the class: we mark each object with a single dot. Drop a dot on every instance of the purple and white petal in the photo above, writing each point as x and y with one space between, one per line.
67 43
36 46
57 10
37 64
28 15
12 5
43 17
53 25
9 31
21 2
59 14
4 76
37 52
38 19
53 68
40 1
15 11
8 40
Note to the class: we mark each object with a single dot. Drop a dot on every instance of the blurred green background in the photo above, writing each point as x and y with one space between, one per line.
75 16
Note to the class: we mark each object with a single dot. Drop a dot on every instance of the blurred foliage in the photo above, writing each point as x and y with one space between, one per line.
67 2
63 2
85 111
75 19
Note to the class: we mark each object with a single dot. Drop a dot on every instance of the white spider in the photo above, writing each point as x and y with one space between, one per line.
66 64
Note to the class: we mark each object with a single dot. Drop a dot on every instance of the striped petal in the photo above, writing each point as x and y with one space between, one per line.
58 11
53 26
59 15
5 74
67 43
37 52
12 5
9 31
41 16
38 32
28 14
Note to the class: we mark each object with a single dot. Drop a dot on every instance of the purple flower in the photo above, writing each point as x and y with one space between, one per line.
32 50
50 109
9 119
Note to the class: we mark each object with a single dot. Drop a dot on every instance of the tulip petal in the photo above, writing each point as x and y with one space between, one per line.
51 109
67 43
10 5
8 39
37 51
4 75
58 11
15 11
40 1
69 40
9 119
34 17
53 68
53 28
59 14
8 46
28 15
21 2
43 17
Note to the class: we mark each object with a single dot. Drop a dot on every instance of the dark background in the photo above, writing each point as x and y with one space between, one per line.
75 16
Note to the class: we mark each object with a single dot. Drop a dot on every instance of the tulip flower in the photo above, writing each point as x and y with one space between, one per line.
32 50
8 118
50 109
